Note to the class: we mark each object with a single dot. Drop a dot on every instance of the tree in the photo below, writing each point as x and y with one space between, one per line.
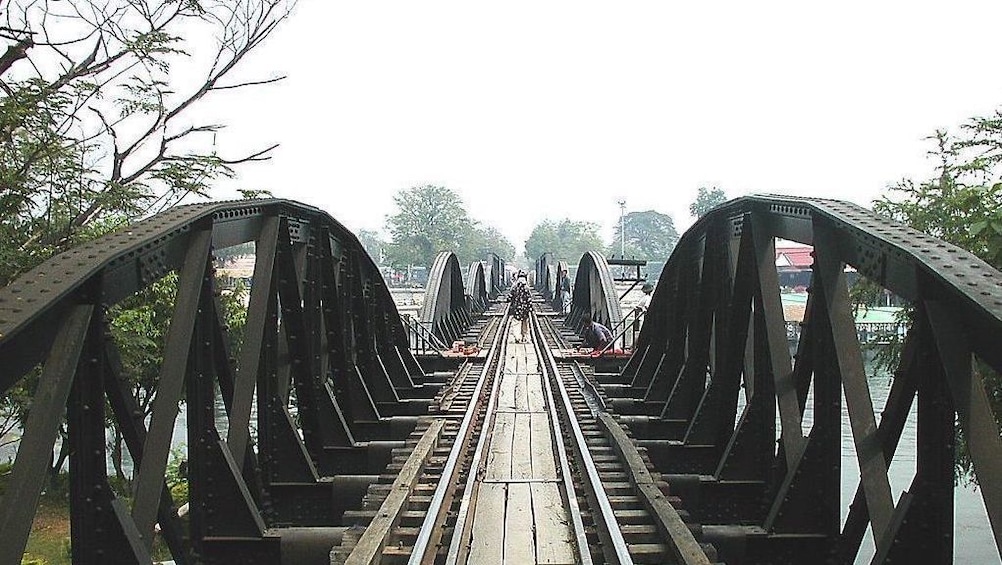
707 199
650 235
373 244
480 241
566 239
93 131
94 134
429 219
962 204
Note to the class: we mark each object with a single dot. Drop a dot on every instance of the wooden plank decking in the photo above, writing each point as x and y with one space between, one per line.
520 515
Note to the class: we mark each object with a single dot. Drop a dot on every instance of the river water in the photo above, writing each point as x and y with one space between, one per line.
973 540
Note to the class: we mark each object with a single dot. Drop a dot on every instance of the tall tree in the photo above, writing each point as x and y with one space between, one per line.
92 129
566 239
650 235
481 240
373 244
94 133
429 219
707 199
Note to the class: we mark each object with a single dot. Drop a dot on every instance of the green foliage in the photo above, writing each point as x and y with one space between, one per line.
431 219
5 470
90 138
373 244
481 240
707 199
650 235
29 559
139 326
177 479
962 204
89 116
566 239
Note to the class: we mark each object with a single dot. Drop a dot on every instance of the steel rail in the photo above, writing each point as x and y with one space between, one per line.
445 481
608 518
584 554
458 532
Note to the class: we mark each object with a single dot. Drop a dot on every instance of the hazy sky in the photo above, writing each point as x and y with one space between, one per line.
533 110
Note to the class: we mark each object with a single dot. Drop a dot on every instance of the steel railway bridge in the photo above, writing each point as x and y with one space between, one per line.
341 433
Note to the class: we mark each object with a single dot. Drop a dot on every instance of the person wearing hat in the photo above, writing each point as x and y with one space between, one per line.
645 300
564 285
642 306
521 304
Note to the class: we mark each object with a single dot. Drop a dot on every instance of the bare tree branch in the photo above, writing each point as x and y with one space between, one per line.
249 83
15 53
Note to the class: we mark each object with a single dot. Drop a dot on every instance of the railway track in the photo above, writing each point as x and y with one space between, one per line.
519 462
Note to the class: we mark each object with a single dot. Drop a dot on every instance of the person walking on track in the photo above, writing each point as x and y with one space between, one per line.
521 305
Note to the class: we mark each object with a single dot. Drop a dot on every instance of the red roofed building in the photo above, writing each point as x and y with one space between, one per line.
793 264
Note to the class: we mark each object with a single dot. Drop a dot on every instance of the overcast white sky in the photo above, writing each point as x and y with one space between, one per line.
533 110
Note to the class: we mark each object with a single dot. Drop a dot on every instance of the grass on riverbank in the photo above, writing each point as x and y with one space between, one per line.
49 540
50 533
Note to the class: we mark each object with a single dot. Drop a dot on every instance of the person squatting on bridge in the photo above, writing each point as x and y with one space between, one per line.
595 335
521 304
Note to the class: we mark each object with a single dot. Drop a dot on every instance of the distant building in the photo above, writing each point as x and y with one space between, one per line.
793 264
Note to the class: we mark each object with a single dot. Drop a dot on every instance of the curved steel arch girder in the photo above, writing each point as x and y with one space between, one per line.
544 275
445 311
320 322
715 331
476 287
594 292
497 276
121 264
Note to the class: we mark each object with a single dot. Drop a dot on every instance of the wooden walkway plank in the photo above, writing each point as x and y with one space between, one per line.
522 448
531 362
498 467
554 538
521 400
544 466
511 358
519 546
534 393
506 393
487 542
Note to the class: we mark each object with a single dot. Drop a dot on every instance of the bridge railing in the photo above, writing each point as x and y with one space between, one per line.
420 337
624 334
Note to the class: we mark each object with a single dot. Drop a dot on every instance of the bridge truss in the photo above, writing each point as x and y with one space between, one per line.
324 387
746 434
714 395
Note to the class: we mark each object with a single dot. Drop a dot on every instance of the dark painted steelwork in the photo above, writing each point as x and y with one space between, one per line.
546 275
548 271
445 311
477 293
594 292
715 341
324 354
496 276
